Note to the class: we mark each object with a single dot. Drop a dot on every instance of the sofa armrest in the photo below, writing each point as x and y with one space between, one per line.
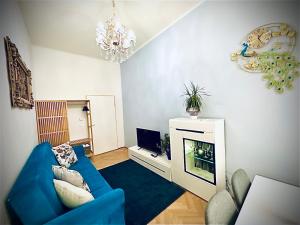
79 150
107 209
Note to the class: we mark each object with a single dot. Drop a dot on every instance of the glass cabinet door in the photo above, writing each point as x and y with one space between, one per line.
199 159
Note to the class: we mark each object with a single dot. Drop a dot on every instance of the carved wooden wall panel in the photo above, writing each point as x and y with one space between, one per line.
19 77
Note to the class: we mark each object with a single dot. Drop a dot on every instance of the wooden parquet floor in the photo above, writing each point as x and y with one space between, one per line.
187 209
110 158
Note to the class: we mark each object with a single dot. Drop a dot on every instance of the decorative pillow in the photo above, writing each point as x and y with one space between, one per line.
71 176
70 195
65 155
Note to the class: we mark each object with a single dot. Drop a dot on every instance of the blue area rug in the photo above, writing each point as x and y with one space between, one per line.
146 193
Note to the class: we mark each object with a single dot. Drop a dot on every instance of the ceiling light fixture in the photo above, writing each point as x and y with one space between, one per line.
115 40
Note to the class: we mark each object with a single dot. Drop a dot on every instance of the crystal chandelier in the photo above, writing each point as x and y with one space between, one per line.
115 40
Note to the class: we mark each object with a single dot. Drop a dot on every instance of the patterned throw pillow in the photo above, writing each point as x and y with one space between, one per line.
65 155
70 195
71 176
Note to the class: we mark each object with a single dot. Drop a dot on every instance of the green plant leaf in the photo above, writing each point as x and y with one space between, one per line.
193 95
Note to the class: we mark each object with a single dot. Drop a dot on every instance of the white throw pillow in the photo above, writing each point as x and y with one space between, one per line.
65 155
70 195
70 176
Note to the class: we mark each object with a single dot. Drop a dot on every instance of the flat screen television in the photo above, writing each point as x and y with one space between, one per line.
149 139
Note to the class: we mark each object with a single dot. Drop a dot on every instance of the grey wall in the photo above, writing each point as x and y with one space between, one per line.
262 128
298 50
18 130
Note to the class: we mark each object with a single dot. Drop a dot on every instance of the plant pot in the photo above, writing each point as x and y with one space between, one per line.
193 112
168 152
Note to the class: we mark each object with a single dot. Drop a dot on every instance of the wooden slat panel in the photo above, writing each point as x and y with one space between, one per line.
52 122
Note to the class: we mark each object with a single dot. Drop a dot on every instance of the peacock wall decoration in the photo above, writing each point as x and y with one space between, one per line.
268 49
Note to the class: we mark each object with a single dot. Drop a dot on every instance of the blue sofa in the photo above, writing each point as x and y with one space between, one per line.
33 199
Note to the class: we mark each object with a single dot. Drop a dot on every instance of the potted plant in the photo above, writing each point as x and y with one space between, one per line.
165 144
194 100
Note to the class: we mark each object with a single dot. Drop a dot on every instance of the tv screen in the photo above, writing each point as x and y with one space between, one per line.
149 139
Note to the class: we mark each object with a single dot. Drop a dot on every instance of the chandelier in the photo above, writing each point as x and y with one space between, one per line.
115 40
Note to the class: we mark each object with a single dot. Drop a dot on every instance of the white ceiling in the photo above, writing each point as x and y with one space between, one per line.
69 25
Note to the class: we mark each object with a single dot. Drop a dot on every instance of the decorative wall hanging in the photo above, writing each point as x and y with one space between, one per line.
268 49
19 77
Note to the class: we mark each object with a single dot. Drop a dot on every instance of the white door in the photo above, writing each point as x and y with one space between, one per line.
103 111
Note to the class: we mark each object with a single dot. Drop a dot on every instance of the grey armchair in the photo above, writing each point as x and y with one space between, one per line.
221 209
240 186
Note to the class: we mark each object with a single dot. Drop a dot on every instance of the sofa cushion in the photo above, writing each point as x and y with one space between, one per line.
96 182
79 151
70 195
70 176
65 155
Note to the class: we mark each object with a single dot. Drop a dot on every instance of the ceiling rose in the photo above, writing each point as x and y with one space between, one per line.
115 40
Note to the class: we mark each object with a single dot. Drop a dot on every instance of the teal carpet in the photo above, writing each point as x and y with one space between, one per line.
146 193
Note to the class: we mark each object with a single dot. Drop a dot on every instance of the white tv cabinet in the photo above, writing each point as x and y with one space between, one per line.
198 155
160 164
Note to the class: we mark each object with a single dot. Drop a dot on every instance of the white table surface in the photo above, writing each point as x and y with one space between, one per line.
270 202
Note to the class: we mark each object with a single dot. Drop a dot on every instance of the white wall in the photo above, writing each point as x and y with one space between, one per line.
62 75
262 127
77 121
18 129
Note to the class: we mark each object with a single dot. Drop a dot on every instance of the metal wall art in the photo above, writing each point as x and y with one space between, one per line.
269 50
19 77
